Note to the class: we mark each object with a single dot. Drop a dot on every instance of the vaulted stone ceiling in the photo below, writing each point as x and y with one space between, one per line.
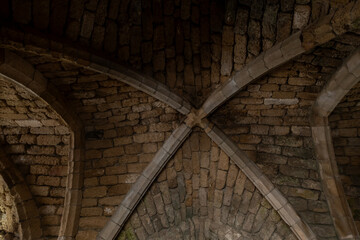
176 119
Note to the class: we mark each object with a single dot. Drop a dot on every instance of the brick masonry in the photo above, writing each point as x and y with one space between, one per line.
202 194
38 143
344 122
192 47
9 224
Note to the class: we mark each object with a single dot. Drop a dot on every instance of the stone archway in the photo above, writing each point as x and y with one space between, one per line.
17 71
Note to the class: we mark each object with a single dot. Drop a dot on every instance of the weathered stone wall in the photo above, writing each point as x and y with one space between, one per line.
345 129
201 194
36 141
9 219
191 46
124 128
270 121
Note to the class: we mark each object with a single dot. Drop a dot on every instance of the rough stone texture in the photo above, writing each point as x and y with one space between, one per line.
199 207
192 47
345 126
266 125
38 143
9 224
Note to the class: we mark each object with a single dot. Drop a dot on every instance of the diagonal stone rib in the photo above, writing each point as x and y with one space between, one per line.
145 180
262 64
140 82
330 26
17 70
262 183
336 88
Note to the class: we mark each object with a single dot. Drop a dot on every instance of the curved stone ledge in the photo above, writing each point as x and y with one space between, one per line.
139 188
262 183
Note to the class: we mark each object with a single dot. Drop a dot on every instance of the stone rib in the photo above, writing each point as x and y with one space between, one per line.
262 64
337 87
139 81
139 188
262 183
17 70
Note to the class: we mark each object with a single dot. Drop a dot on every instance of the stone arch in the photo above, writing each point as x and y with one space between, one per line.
28 213
336 88
17 70
94 62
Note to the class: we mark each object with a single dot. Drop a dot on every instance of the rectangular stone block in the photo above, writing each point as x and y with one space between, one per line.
242 77
257 66
141 184
131 199
151 171
120 215
171 144
291 46
148 85
162 93
274 57
289 215
230 88
353 63
217 135
215 99
303 231
240 159
276 199
229 147
181 132
109 231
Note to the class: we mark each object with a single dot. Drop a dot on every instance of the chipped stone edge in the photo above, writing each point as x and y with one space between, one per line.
262 183
18 71
336 88
144 181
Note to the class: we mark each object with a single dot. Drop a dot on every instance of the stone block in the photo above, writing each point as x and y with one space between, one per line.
29 123
229 147
276 199
240 159
274 57
279 101
257 66
214 100
303 231
131 200
242 77
353 63
230 88
141 184
291 47
217 135
109 231
289 215
301 16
